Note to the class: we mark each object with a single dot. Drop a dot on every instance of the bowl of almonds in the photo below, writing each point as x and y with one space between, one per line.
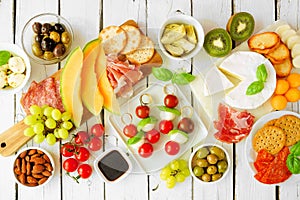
33 167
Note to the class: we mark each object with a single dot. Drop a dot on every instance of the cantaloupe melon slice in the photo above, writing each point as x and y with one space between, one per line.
90 94
70 85
100 66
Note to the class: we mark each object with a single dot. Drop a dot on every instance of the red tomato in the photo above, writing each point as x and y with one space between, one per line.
82 154
146 150
153 136
130 130
172 148
67 150
165 126
97 130
171 101
83 137
142 111
78 140
95 144
70 165
85 171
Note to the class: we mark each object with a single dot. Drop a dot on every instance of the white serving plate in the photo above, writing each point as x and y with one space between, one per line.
159 157
250 154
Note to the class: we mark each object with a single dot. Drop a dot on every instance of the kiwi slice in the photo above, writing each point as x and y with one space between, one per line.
217 42
240 26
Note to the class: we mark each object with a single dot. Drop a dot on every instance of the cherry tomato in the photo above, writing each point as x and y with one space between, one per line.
85 171
130 130
153 136
172 148
82 154
97 130
70 165
186 125
165 126
95 144
82 138
67 150
171 101
142 111
145 150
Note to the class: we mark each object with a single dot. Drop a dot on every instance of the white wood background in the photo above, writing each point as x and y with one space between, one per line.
87 19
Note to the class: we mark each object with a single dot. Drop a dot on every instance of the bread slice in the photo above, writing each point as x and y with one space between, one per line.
133 38
114 39
283 69
144 52
280 54
263 42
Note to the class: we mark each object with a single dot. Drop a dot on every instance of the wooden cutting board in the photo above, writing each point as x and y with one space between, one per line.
13 138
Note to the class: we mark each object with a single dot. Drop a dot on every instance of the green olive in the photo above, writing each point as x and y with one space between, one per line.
206 177
55 36
48 55
212 169
202 162
222 166
202 153
36 49
65 37
198 171
215 177
212 159
218 152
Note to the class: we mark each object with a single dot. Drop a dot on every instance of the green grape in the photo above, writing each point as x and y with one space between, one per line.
51 139
29 132
165 173
198 171
182 164
38 128
56 114
35 110
186 172
50 123
180 177
66 116
38 138
47 111
171 182
174 165
56 133
63 133
67 125
30 120
44 107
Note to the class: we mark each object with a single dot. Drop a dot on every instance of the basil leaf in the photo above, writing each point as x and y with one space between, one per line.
171 110
296 149
4 57
255 87
182 78
261 73
162 74
136 138
145 121
293 164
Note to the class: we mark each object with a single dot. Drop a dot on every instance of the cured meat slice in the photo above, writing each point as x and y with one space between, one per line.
232 125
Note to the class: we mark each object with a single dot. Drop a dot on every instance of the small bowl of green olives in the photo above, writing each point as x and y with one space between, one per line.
47 38
209 163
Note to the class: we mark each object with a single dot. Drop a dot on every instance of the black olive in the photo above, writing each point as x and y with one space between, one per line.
46 28
36 27
59 28
38 38
59 50
47 44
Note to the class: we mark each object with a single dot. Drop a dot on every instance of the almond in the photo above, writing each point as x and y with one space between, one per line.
22 178
48 167
37 160
30 179
42 180
31 152
23 166
23 154
46 173
28 168
38 169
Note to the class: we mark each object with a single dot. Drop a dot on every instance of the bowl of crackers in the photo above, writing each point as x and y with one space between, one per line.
271 142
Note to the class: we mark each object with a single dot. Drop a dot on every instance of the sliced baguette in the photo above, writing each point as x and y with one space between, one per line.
284 69
133 38
280 54
263 42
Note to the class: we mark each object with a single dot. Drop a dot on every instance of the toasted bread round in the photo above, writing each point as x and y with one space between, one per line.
262 41
144 52
283 69
270 138
279 54
114 39
133 38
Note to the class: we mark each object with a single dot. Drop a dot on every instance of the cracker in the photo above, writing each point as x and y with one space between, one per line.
114 39
270 138
271 122
133 38
290 124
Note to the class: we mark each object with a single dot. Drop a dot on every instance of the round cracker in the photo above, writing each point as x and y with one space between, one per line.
271 122
290 124
270 138
133 38
144 53
114 39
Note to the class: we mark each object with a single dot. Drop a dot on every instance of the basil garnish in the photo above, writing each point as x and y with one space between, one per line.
292 161
182 78
162 74
165 74
136 138
257 86
4 57
261 73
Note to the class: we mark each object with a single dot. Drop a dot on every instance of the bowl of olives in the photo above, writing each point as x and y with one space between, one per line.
47 38
209 163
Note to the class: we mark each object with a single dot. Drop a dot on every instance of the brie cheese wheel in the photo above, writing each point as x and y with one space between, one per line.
243 66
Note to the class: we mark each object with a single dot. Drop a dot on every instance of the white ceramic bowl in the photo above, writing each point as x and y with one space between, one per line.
51 161
181 18
16 50
197 179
